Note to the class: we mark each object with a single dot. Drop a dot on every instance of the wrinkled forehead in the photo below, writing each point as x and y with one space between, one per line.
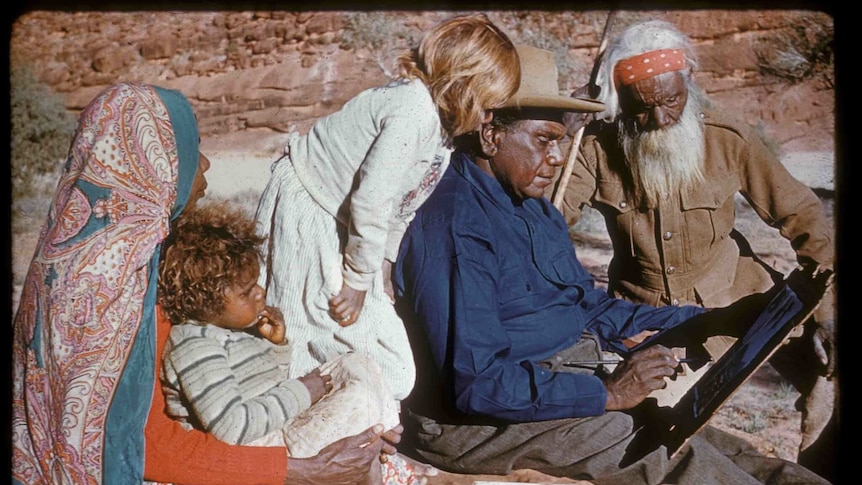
655 89
551 129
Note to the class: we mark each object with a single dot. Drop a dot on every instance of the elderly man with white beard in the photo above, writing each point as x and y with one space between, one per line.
663 169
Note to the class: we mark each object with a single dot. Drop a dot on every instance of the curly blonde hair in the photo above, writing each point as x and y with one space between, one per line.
211 248
469 65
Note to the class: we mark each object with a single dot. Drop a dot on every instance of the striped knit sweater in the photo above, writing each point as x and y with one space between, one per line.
229 383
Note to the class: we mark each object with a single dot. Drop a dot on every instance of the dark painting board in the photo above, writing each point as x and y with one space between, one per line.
787 305
733 369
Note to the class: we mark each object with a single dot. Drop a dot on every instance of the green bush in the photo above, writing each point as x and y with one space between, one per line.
554 31
801 51
383 33
42 130
377 31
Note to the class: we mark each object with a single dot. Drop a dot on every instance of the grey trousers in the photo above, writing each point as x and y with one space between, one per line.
593 448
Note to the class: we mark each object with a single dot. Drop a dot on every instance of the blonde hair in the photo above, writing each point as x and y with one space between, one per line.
212 248
469 66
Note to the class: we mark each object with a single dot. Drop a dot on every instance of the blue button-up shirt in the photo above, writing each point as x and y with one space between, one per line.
496 287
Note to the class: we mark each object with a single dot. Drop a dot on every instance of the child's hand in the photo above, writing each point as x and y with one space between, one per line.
344 307
317 384
270 325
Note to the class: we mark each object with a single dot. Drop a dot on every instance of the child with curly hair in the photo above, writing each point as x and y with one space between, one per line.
225 365
338 202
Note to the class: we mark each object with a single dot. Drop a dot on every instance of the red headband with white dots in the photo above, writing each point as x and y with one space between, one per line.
649 64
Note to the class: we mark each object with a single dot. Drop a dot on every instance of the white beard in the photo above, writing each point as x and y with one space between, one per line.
666 160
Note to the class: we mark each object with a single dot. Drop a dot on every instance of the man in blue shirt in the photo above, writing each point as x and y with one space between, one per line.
495 301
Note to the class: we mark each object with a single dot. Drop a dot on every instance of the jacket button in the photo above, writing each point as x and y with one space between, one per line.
675 302
623 204
667 236
670 270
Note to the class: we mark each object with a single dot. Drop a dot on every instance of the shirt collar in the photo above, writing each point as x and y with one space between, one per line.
484 183
491 188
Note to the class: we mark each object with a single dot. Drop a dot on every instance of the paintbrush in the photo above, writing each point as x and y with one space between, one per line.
611 361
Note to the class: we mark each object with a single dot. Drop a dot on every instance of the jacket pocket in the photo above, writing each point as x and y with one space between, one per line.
611 197
619 213
708 216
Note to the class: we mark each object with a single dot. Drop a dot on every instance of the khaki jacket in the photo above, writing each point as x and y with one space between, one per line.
687 251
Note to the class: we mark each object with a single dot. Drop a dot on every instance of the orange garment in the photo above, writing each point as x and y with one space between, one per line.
175 455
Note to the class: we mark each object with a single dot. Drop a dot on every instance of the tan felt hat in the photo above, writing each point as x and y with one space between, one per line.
539 87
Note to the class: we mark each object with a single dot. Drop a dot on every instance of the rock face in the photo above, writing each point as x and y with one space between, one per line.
256 74
276 71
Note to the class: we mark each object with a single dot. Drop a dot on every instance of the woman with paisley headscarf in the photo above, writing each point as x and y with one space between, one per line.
87 332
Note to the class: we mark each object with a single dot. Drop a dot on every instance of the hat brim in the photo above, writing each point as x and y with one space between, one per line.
555 102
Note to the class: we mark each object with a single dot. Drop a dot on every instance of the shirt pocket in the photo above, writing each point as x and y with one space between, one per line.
619 213
708 215
557 268
515 292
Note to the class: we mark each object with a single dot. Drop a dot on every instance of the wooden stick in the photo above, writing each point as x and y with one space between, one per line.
563 182
560 190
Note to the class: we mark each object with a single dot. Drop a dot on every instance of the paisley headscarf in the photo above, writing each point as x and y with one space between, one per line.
84 334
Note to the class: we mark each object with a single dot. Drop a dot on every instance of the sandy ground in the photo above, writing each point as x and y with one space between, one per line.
762 411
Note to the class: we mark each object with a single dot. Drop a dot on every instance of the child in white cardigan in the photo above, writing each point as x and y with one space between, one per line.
339 200
225 366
